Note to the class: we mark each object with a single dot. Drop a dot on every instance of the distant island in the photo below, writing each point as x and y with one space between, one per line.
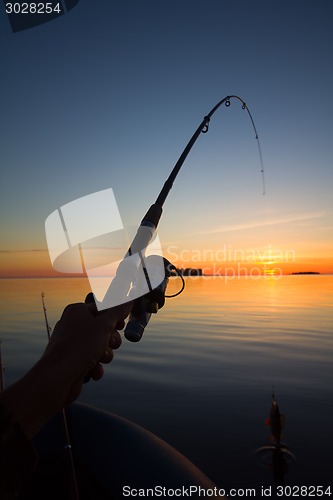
307 272
189 271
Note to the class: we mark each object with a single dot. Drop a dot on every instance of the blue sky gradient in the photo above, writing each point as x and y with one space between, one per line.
109 94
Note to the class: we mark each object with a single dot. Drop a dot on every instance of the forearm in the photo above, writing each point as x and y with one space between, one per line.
35 398
17 455
79 342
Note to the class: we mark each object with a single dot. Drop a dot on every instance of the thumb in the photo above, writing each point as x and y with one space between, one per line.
117 313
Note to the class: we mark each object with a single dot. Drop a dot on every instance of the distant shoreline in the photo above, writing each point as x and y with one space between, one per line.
306 272
311 273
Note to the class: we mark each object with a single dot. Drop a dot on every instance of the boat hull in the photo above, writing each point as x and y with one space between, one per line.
113 458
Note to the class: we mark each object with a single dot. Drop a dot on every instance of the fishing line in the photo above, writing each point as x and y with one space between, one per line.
244 106
2 372
172 267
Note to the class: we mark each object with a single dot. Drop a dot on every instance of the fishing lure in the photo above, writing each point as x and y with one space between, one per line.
275 421
276 456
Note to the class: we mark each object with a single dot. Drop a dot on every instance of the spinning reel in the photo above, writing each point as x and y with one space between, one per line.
150 303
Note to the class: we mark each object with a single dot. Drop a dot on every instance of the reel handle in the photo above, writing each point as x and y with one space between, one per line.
143 308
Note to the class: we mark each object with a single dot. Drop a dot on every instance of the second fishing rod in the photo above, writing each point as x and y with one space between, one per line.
135 259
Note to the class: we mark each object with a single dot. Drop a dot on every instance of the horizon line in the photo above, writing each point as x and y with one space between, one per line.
295 273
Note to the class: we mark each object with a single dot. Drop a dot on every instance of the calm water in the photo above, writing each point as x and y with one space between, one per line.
202 376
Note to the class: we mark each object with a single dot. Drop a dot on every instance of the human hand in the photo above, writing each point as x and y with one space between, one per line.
80 342
83 340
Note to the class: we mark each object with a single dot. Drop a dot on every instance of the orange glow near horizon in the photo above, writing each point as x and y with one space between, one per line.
36 263
27 264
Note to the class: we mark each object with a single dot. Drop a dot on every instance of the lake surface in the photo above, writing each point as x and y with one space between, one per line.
202 376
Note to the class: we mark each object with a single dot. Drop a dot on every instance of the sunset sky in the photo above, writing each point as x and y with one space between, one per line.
108 95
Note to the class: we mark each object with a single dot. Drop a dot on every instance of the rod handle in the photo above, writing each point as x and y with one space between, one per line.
154 214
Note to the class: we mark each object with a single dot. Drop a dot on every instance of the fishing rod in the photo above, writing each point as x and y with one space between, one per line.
48 328
2 372
203 128
68 446
128 268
